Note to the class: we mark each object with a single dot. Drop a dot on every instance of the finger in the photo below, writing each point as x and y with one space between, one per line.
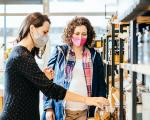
52 75
53 117
104 101
99 105
50 69
47 117
50 117
107 102
46 68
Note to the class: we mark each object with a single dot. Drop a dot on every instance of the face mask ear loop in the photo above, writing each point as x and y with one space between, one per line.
32 39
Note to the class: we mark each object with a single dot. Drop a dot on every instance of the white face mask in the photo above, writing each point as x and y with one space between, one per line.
40 40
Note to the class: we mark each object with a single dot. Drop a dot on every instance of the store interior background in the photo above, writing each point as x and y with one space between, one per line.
60 12
12 13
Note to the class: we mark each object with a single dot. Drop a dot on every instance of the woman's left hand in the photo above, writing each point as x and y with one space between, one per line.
97 101
49 72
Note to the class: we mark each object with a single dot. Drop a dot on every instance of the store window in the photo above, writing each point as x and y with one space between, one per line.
125 6
11 33
1 8
12 29
1 49
58 23
23 8
16 15
69 6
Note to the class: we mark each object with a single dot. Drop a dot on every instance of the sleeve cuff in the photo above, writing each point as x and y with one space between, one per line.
47 104
61 93
47 107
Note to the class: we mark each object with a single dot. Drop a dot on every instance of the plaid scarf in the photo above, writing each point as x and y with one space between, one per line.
87 66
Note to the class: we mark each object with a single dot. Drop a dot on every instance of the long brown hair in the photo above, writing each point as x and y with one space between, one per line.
37 19
78 21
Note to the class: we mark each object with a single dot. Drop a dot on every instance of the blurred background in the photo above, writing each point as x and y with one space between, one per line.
122 37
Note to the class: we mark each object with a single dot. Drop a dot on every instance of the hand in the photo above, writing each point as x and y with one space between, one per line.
96 101
50 114
49 72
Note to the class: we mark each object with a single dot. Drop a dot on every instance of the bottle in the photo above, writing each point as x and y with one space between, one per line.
140 56
140 48
146 51
146 46
102 114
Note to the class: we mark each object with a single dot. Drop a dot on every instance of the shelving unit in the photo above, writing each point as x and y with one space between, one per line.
110 64
138 13
139 68
140 7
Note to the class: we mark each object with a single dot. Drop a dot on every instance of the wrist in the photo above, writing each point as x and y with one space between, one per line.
85 99
49 109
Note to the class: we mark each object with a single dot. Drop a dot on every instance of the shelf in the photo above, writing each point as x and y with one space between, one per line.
143 19
139 68
138 8
124 23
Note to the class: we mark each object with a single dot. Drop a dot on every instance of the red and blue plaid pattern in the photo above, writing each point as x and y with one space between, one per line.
87 66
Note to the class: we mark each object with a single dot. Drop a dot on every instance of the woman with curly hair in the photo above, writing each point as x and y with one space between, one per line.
78 68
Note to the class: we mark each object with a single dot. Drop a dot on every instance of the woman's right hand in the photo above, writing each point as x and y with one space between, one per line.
50 114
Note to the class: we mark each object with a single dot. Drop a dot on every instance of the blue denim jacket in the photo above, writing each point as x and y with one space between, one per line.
58 62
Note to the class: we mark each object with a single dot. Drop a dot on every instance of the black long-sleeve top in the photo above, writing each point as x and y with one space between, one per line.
23 80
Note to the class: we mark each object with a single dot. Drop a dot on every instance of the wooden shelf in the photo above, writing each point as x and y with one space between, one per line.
139 68
124 23
143 19
135 10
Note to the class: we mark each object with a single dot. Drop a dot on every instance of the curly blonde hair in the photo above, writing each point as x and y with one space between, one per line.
78 21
